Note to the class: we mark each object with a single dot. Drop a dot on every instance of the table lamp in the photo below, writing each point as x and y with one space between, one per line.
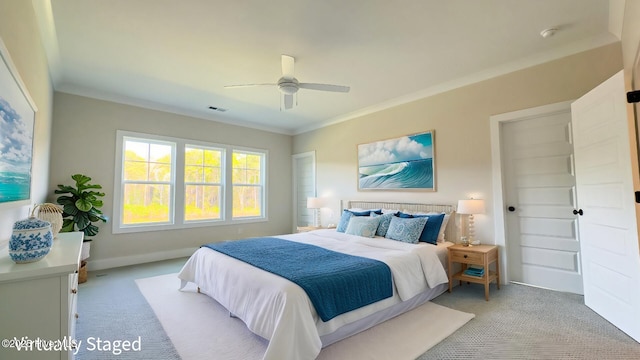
315 204
471 207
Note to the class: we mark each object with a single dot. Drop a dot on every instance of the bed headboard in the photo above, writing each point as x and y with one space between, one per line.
451 231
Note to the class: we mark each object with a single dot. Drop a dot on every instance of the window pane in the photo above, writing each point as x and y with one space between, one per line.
239 159
213 158
160 172
253 177
146 203
253 161
247 201
135 150
202 202
136 170
160 153
239 176
203 165
193 156
212 175
193 174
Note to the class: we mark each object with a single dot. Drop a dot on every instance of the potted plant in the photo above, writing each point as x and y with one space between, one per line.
80 209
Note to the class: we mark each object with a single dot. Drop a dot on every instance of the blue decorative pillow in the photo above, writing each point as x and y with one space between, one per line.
363 226
346 215
431 228
406 229
385 220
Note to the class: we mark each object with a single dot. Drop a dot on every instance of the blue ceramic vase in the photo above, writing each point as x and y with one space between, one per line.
30 241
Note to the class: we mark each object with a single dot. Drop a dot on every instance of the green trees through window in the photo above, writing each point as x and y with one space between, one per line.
155 184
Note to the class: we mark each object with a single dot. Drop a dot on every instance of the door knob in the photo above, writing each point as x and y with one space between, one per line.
578 212
511 208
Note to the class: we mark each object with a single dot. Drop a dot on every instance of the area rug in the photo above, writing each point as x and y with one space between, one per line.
200 328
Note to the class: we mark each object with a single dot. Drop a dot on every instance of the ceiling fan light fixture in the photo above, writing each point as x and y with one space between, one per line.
546 33
288 87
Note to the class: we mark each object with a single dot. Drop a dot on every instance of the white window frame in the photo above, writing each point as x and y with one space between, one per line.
262 185
177 220
222 184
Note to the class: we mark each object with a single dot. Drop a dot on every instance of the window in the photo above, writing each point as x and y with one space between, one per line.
247 182
167 183
147 180
203 183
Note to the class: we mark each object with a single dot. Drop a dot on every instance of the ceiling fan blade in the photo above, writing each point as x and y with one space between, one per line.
288 67
288 102
247 85
324 87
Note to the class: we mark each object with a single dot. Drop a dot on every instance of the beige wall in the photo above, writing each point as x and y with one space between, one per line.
20 34
83 141
460 119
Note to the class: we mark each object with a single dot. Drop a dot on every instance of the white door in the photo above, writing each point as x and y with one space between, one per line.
608 229
541 231
304 186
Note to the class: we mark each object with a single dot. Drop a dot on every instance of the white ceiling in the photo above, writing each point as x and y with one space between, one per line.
178 55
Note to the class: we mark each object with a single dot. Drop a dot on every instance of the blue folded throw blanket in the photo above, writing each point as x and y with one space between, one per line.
474 271
335 282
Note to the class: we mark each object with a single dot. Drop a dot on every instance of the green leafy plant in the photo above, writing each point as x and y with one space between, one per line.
81 206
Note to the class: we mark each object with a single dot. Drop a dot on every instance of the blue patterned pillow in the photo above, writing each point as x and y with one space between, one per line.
385 220
346 215
431 228
363 226
406 229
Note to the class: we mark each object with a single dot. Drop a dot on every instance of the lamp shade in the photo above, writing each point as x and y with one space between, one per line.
314 203
471 206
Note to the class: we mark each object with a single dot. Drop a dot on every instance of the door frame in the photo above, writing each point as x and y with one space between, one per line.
294 166
495 127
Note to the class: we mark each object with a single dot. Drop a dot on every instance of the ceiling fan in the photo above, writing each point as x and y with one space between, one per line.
289 85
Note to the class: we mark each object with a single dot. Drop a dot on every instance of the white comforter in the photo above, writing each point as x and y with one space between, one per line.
280 311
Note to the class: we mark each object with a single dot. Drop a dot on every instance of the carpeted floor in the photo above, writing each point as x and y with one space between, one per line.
518 322
522 322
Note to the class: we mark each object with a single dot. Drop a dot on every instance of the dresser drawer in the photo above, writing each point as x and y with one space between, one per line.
467 257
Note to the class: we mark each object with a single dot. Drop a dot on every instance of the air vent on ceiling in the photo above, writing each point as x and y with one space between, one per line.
217 108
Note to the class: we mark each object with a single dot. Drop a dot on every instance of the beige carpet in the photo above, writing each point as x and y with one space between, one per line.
200 328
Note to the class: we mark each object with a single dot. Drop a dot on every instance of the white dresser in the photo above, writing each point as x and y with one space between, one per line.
38 302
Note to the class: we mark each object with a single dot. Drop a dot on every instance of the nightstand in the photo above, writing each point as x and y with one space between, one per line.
301 229
481 255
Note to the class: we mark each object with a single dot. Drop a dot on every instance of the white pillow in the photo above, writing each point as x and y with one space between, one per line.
388 211
443 226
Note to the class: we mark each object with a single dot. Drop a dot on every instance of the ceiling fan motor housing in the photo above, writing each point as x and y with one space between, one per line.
288 86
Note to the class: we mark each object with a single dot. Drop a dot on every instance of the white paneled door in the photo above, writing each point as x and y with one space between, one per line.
539 185
608 229
304 186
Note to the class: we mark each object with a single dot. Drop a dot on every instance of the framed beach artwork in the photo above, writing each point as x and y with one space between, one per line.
404 163
17 112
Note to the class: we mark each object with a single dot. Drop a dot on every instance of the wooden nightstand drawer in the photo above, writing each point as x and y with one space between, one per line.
467 257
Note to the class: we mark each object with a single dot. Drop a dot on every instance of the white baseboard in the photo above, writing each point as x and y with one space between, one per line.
109 263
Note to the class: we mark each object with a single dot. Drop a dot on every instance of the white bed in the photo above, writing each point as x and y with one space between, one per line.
281 312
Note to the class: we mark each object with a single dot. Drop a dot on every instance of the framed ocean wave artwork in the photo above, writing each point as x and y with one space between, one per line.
17 117
403 163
